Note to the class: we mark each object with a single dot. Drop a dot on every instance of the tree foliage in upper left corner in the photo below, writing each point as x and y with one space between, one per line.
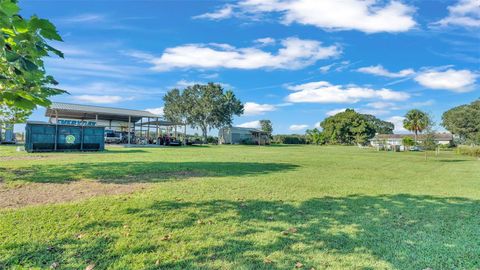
24 83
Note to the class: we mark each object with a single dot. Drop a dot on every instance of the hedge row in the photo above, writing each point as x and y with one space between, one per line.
473 151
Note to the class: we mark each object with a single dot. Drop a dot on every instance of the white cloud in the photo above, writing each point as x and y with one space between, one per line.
337 67
335 111
252 124
375 112
381 105
222 13
100 99
252 108
184 83
464 13
295 53
429 102
370 16
157 111
210 76
265 41
454 80
112 89
94 66
398 122
317 125
324 92
297 127
85 18
325 69
379 70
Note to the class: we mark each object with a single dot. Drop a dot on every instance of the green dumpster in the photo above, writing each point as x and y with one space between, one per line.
45 137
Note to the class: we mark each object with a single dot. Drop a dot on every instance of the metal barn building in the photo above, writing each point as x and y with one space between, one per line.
240 135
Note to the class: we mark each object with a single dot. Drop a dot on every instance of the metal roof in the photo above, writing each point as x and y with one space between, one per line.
256 130
78 111
438 136
159 123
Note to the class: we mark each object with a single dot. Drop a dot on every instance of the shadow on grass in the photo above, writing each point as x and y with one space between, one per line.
360 232
140 172
455 160
408 232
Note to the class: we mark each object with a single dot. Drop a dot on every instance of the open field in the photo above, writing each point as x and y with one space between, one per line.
239 207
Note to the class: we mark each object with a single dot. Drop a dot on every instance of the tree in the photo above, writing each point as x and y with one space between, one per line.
416 121
464 121
202 106
348 127
380 126
174 109
23 80
315 136
408 141
429 141
266 126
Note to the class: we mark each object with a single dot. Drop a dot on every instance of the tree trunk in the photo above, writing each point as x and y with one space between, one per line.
205 136
416 137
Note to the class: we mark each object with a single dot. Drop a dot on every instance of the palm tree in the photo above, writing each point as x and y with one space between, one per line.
416 121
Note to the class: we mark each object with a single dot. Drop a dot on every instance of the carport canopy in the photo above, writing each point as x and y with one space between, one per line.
77 111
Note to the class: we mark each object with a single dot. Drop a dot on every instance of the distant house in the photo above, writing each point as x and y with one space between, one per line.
397 139
239 135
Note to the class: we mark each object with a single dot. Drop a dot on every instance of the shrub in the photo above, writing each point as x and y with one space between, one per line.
212 140
289 139
473 151
248 142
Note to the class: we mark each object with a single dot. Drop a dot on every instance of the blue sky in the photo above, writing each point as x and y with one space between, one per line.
291 61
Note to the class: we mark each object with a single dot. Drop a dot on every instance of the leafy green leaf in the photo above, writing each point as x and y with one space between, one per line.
47 29
12 56
28 65
9 8
51 34
55 51
8 31
20 24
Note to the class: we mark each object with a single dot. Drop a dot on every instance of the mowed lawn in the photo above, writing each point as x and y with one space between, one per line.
242 207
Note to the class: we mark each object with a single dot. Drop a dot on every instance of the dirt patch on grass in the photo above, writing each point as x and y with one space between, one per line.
45 193
9 158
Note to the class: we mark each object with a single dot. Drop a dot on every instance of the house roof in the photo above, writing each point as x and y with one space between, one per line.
78 111
438 136
253 130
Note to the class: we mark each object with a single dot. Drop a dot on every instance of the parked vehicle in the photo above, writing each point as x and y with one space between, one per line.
112 136
416 148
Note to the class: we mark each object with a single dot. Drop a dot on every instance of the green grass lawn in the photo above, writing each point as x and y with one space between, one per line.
247 207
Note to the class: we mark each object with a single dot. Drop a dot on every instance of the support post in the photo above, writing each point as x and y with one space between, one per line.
185 134
56 130
82 135
158 132
141 124
128 129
